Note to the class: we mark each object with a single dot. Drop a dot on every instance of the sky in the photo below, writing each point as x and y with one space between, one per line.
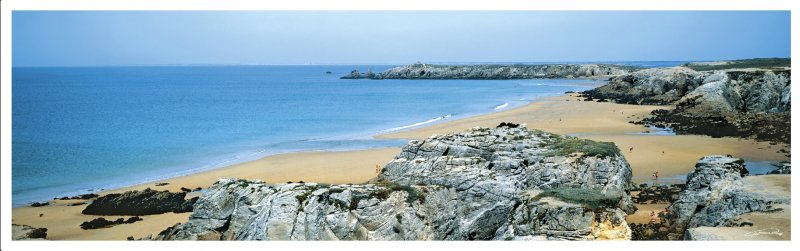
110 38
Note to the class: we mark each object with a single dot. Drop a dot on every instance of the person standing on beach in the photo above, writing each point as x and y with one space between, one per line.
377 169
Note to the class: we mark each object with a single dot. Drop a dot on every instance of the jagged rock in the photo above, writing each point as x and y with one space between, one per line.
649 86
142 202
25 232
427 71
716 194
487 184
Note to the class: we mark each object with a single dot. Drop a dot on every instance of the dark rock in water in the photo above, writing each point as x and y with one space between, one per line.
142 202
480 184
161 184
508 125
25 232
186 189
197 189
38 204
103 223
328 72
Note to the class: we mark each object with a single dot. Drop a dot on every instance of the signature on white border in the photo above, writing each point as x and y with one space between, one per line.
765 231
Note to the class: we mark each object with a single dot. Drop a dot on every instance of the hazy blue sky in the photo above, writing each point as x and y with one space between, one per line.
135 38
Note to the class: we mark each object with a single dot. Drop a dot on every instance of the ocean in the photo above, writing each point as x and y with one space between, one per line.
82 129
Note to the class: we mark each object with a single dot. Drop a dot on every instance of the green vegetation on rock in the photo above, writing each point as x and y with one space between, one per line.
566 145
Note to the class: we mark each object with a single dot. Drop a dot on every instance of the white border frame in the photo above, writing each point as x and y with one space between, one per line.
8 6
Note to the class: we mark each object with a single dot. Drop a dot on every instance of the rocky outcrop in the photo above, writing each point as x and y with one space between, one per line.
103 223
740 103
142 202
481 184
518 71
25 232
657 86
716 194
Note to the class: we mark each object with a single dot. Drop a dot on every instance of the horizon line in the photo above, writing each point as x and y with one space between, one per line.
392 64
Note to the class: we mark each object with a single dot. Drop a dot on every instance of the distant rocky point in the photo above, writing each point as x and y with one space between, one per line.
516 71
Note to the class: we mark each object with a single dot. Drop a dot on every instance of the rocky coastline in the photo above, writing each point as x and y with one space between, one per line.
517 71
746 103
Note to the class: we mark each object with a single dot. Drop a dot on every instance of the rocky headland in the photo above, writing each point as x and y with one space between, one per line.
517 71
507 183
748 103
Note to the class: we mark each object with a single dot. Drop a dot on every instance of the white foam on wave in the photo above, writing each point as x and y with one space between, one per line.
504 105
418 124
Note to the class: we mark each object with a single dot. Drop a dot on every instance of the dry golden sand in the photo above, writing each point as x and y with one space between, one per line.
562 115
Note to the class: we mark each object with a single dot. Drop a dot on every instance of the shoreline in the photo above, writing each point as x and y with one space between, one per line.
564 114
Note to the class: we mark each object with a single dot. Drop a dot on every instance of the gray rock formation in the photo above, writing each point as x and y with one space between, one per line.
427 71
143 202
716 194
650 86
736 102
728 91
485 184
25 232
740 91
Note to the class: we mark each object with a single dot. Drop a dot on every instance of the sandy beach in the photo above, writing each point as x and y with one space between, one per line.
671 156
63 221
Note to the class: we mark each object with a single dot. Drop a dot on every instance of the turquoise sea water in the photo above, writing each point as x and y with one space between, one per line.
81 129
